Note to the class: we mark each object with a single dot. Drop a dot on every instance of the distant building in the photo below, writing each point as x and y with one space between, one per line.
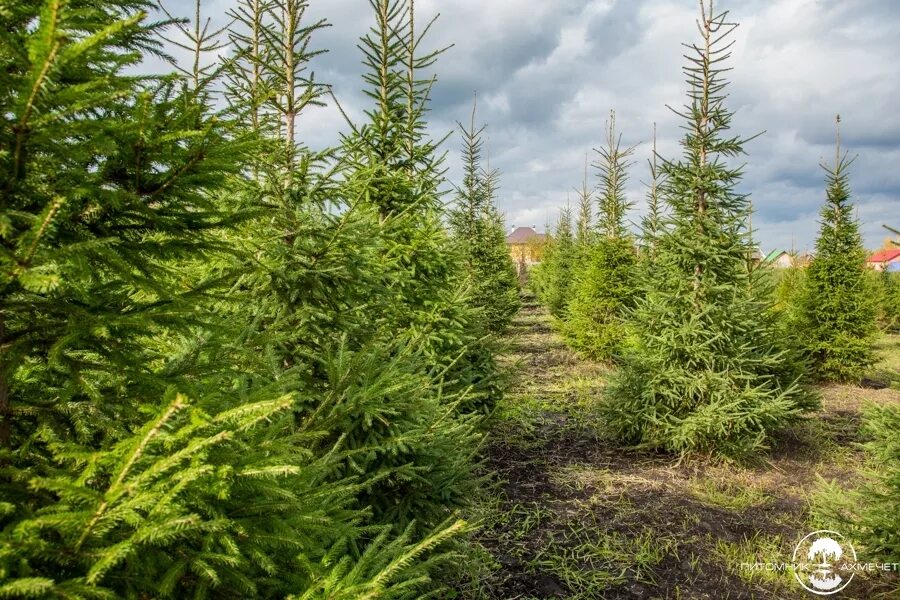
803 260
779 259
526 246
885 260
757 255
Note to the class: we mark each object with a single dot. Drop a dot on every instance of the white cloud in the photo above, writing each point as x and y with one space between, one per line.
547 74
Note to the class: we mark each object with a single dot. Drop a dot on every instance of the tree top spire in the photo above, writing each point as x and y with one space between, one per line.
837 127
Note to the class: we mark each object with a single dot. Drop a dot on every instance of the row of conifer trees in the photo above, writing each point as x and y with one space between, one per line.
713 357
233 365
683 306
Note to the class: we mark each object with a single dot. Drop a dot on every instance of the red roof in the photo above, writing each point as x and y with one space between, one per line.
885 256
523 235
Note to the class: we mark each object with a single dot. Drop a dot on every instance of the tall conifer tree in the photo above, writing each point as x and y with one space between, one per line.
605 279
838 306
651 224
396 167
328 294
393 168
584 224
479 235
708 373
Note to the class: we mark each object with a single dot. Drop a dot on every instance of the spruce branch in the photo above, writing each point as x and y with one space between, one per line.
115 488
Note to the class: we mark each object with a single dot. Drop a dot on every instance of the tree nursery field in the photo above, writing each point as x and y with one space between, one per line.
234 364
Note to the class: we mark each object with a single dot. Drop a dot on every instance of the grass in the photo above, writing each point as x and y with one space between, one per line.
599 480
762 559
574 516
887 349
727 493
589 560
527 518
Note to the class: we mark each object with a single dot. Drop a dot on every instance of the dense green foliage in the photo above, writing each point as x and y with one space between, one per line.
478 231
838 301
552 278
605 276
395 168
868 513
232 366
787 285
604 289
709 372
888 285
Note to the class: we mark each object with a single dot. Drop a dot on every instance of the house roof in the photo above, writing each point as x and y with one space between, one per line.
773 255
884 256
523 235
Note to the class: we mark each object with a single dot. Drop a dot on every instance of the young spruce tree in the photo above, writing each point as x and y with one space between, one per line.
605 280
478 232
651 224
113 484
552 278
838 301
889 301
396 167
708 373
323 295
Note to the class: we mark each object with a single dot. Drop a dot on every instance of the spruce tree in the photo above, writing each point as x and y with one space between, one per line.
788 288
322 292
838 307
708 373
584 223
651 224
121 244
868 511
552 278
105 182
889 309
605 279
478 232
347 297
396 168
369 292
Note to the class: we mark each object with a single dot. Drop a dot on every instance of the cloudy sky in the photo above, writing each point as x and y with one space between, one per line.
548 73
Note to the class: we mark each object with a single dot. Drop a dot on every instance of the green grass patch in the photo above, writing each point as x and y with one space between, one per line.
888 351
750 559
728 494
590 560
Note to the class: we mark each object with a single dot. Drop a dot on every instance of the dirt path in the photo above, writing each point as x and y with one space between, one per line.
574 516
